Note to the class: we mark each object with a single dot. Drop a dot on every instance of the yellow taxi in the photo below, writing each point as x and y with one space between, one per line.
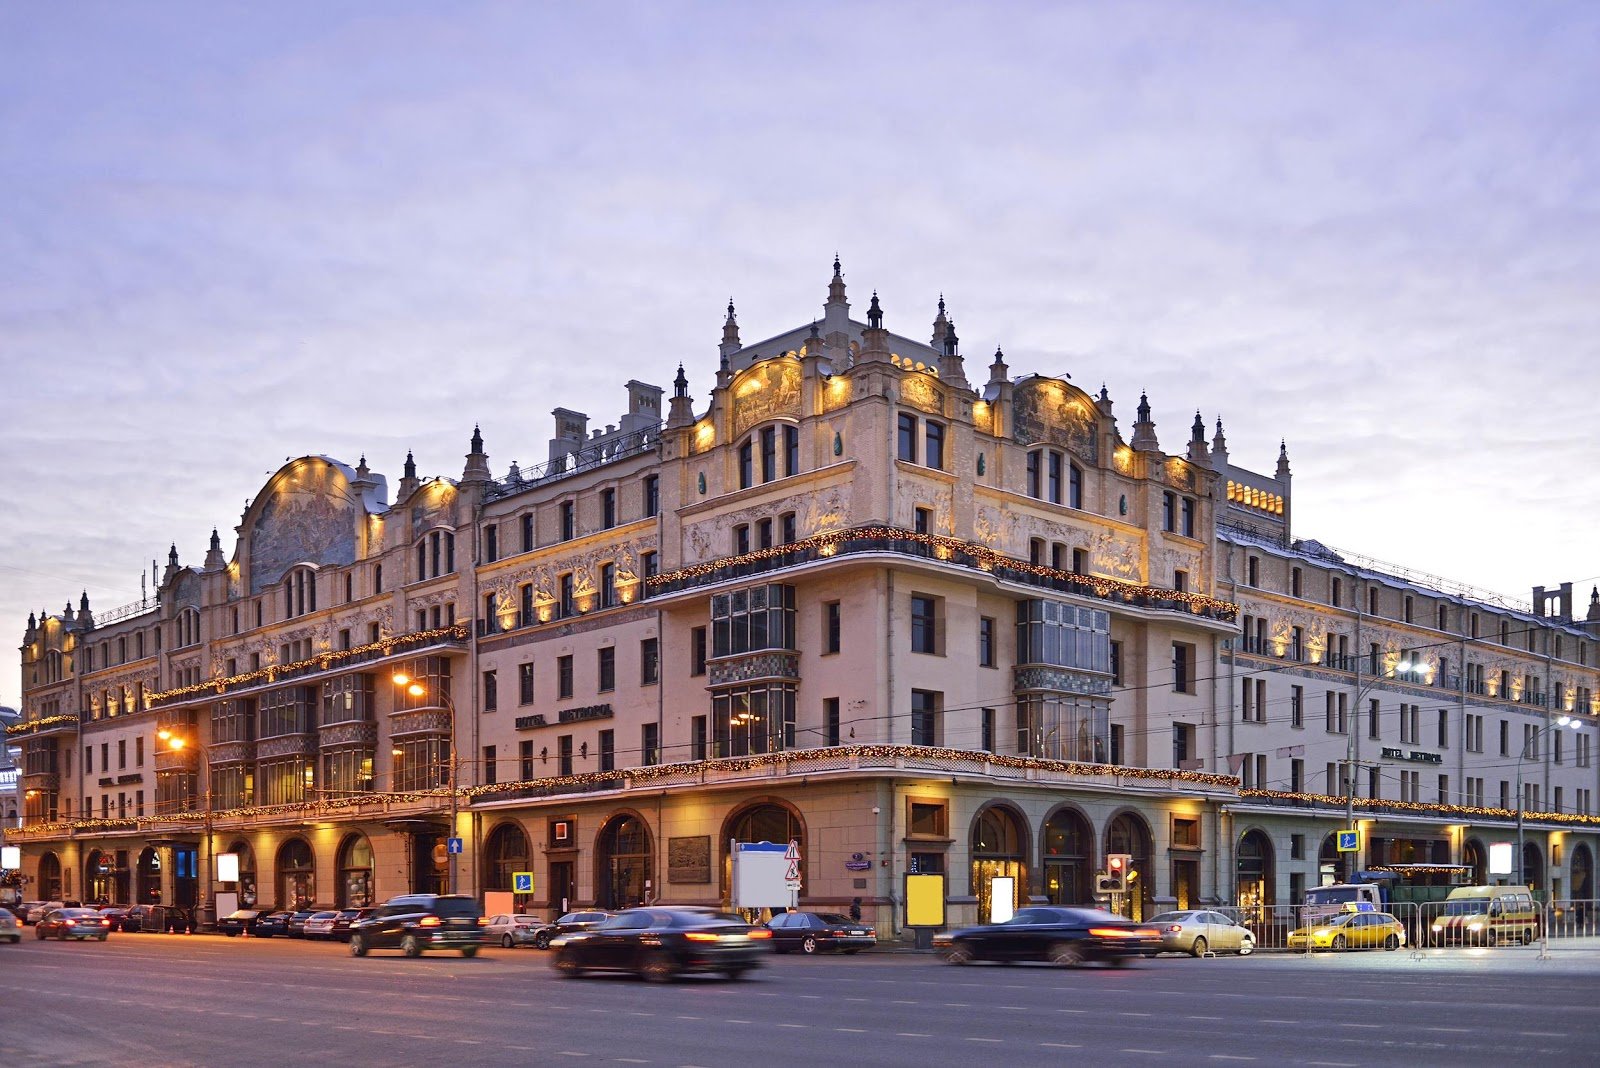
1351 930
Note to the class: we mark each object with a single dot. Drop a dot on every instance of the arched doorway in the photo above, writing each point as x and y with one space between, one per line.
50 877
297 875
623 863
505 852
104 878
1068 858
999 851
1130 834
760 821
1330 862
246 886
1254 887
1472 858
1532 866
147 877
355 872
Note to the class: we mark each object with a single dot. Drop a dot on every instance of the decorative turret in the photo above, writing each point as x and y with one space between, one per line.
477 469
836 320
951 367
214 561
680 410
1219 445
1144 428
32 633
67 617
998 371
1103 402
941 326
836 285
874 339
408 480
85 617
1197 442
1593 617
1283 461
172 564
730 333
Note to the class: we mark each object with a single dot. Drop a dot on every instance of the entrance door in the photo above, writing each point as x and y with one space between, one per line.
1186 883
430 864
563 888
186 876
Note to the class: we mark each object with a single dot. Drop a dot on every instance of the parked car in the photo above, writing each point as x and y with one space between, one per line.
1064 936
571 922
114 913
72 923
271 923
320 925
418 922
297 922
1351 930
347 918
1198 932
239 922
660 943
10 927
37 909
509 929
819 932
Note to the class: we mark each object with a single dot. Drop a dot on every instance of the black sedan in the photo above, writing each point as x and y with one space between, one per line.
571 923
272 923
660 943
297 922
1064 936
346 919
240 922
116 914
819 932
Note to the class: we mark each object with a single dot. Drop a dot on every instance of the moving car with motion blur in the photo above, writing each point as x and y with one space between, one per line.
1198 932
572 921
659 944
819 932
1351 930
348 918
415 923
1063 936
10 927
73 923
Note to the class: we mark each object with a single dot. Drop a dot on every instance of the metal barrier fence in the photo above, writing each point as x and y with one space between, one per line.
1473 923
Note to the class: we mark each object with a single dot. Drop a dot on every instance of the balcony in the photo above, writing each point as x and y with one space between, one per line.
39 728
948 551
323 664
177 759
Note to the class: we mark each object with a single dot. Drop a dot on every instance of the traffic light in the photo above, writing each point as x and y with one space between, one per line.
1117 871
1104 884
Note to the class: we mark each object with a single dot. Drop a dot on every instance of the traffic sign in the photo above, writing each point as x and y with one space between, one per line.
1349 841
792 872
522 882
792 854
452 844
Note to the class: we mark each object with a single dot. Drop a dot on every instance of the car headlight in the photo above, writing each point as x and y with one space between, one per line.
1475 926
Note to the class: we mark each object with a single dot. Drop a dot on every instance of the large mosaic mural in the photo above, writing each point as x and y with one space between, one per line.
1048 411
309 516
769 390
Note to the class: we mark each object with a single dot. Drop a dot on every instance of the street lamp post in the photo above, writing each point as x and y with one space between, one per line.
1403 669
415 688
1532 743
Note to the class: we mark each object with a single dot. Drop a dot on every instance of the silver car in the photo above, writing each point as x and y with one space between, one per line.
10 929
1198 932
510 930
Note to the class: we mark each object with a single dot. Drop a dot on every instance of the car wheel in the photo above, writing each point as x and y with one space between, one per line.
541 940
410 946
1199 948
657 968
735 974
808 944
1491 937
957 954
102 938
1528 937
358 946
1392 942
469 951
1338 942
505 941
1247 947
231 934
1122 962
38 933
567 964
61 935
1065 954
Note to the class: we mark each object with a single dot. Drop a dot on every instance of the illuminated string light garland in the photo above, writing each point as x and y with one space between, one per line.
29 726
1379 803
827 544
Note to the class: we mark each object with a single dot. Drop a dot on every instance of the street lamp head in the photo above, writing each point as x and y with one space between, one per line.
401 678
395 751
175 743
416 689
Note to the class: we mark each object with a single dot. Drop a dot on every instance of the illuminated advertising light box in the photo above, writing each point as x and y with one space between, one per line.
10 857
925 901
1002 898
227 867
1500 860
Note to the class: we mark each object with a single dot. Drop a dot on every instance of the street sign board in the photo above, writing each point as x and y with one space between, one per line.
793 852
453 844
522 882
1349 841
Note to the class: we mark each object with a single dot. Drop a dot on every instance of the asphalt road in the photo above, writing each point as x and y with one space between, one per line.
207 1000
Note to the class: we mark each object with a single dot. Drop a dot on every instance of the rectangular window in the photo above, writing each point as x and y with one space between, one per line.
769 453
491 692
525 683
786 529
608 508
922 521
986 719
986 635
649 661
1297 706
607 669
830 720
490 766
608 750
650 744
697 651
525 759
1444 728
652 495
791 450
527 532
697 738
831 627
924 624
1375 727
564 677
608 585
1169 512
569 521
1182 668
569 603
1053 477
1183 738
138 752
925 717
747 477
491 543
564 754
907 439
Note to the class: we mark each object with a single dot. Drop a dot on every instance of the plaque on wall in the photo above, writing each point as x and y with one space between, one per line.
689 859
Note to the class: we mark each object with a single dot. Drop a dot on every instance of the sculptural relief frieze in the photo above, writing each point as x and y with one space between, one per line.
1048 411
769 390
309 516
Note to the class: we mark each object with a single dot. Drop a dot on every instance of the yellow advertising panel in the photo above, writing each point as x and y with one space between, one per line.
924 900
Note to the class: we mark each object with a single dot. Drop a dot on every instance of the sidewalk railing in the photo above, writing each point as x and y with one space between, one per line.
1418 925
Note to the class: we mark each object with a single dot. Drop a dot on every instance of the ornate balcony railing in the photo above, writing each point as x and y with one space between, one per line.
944 550
62 724
597 452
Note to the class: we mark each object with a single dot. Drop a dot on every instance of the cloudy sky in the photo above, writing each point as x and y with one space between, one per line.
236 233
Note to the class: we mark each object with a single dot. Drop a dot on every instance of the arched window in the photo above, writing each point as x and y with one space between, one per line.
1130 834
187 626
247 873
1254 886
355 873
506 851
999 851
50 877
299 592
1472 856
1582 874
1068 858
297 875
147 877
1533 866
436 554
54 666
769 453
623 863
102 880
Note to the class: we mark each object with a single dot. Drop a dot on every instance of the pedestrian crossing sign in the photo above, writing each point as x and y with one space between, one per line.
1349 841
522 882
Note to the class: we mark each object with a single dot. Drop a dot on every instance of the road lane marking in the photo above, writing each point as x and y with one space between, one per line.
799 1026
851 1030
1133 1014
1453 1030
971 1039
1203 1018
1543 1034
1060 1045
631 1060
1229 1057
1152 1052
912 1034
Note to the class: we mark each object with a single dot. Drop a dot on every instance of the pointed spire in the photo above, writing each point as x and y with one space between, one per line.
1144 428
836 284
66 614
1198 432
83 602
1594 607
172 555
363 472
680 410
680 385
1283 461
214 552
1144 407
998 371
411 465
940 326
477 468
1219 444
1102 402
874 313
730 333
477 439
1197 442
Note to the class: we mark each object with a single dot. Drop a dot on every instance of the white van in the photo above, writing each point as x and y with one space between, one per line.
1486 915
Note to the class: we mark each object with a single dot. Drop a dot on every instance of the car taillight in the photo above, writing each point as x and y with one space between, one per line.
1122 932
760 932
105 923
700 936
428 921
1175 928
483 921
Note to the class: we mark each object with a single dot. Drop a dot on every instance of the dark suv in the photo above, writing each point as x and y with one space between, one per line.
419 922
